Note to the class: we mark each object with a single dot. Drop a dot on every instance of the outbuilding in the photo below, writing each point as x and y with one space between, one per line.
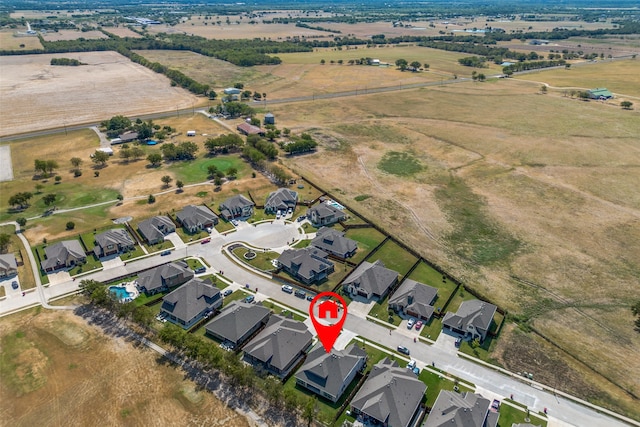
269 119
191 133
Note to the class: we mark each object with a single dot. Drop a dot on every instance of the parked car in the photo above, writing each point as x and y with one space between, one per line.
416 370
310 297
411 364
249 299
289 211
200 270
301 218
207 240
288 289
419 325
458 342
410 323
227 292
403 350
300 294
14 284
164 253
234 222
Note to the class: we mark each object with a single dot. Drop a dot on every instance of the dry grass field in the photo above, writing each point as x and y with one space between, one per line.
36 95
9 42
123 32
243 30
525 170
58 370
73 35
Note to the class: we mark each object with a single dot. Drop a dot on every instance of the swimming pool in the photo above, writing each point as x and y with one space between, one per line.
334 204
151 142
120 293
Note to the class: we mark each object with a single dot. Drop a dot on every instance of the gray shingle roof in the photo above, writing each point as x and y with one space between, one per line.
191 299
234 205
118 236
390 394
306 263
8 262
236 320
156 228
474 312
282 199
374 278
323 210
174 273
280 342
458 409
333 241
58 253
195 216
328 371
415 297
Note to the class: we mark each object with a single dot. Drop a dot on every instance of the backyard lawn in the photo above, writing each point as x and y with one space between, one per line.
367 238
394 258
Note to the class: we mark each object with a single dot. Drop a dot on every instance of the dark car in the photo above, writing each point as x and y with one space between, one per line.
403 349
310 297
458 342
164 253
300 294
200 270
14 284
227 292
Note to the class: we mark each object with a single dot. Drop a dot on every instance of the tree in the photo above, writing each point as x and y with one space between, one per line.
151 199
100 158
482 77
48 199
322 61
117 123
39 188
21 200
4 242
50 165
217 181
57 179
155 159
232 172
415 65
166 180
71 225
125 153
401 64
179 184
543 89
137 152
76 162
626 105
143 315
309 411
212 170
22 221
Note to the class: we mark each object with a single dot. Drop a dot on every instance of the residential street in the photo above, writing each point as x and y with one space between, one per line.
275 236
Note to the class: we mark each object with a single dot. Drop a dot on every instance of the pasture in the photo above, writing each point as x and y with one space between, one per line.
9 42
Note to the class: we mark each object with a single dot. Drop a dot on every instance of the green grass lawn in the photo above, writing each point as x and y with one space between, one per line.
235 296
190 237
367 238
220 284
400 163
277 309
260 215
380 310
482 351
353 219
461 295
510 415
193 263
166 244
92 263
262 261
308 228
394 258
432 329
144 299
302 244
223 226
435 383
196 170
135 253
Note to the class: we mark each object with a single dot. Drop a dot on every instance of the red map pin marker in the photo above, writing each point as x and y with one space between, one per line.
328 317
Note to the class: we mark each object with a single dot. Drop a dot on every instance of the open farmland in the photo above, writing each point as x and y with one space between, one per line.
58 370
241 30
9 42
73 35
511 206
36 95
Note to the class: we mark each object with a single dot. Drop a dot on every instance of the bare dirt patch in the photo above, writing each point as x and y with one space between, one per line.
109 382
79 94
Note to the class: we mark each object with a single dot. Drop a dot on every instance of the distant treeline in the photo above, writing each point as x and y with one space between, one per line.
66 61
532 65
318 28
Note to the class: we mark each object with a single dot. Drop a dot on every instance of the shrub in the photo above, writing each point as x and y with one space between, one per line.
71 225
151 199
77 173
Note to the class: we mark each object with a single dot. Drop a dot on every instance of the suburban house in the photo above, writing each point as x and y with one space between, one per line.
164 277
112 242
473 319
390 396
8 265
281 200
191 303
195 218
329 374
600 93
414 299
279 346
309 265
370 280
324 214
236 207
333 242
461 410
249 129
65 254
154 229
237 322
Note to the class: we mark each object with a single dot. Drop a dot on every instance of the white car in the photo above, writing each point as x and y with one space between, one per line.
411 365
410 323
288 289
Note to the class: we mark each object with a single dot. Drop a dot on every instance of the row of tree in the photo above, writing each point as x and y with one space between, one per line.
223 143
303 144
533 65
66 61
